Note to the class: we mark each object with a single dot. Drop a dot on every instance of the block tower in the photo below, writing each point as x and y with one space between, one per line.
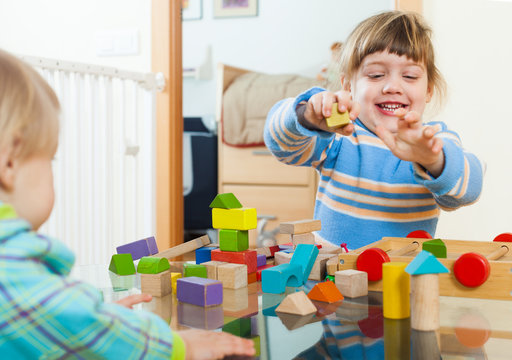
234 222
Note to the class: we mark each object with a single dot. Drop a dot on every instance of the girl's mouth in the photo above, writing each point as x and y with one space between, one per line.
389 108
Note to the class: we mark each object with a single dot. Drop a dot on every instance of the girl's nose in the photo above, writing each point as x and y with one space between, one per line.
392 86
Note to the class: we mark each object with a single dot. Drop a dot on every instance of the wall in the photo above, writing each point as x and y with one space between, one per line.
287 36
472 39
66 29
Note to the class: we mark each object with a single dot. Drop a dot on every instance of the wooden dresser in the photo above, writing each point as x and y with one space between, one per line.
257 179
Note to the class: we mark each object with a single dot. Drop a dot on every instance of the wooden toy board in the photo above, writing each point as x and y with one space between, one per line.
497 286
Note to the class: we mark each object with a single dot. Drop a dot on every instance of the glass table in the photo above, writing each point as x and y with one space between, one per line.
351 329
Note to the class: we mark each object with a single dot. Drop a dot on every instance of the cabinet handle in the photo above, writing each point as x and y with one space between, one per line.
261 152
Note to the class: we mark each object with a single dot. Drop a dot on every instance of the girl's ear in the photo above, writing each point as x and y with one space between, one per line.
8 165
345 84
430 92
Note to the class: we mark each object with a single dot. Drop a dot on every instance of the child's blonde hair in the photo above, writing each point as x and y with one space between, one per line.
29 109
398 32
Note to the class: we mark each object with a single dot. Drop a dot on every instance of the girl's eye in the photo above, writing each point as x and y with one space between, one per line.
411 77
375 76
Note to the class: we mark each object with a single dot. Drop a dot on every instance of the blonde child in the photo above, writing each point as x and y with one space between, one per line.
387 173
44 313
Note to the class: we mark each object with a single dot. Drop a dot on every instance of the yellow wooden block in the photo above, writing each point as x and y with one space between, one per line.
235 219
337 119
174 277
395 290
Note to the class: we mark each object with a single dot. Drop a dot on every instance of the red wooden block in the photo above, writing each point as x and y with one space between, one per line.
260 269
251 278
247 257
325 291
371 261
471 269
419 234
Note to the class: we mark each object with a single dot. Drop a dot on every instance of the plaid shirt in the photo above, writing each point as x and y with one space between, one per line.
45 314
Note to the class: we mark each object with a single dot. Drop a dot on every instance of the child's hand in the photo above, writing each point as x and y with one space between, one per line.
319 107
131 300
414 142
203 344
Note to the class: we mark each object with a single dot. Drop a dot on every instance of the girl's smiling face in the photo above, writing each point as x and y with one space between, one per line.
385 82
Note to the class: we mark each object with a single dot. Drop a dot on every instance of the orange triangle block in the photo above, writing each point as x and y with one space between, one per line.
325 291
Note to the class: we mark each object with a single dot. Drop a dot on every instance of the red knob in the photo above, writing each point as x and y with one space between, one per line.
419 234
471 269
371 261
505 237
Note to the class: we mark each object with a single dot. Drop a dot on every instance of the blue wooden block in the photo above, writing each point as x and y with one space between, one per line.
305 256
425 263
204 254
275 279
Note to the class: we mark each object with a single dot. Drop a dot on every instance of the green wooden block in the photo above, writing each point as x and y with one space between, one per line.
233 240
122 264
436 247
152 265
195 270
337 119
330 278
239 327
257 344
226 201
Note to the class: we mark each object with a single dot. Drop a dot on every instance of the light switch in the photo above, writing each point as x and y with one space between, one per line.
117 42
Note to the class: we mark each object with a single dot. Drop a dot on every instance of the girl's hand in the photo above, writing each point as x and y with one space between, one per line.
319 107
414 142
131 300
203 344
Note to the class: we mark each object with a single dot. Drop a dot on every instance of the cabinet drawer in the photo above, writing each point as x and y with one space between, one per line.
286 203
255 165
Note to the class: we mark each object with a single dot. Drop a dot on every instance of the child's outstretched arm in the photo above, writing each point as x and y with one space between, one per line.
296 132
453 175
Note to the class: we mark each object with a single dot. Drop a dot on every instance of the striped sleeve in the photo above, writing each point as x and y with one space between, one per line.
289 141
461 181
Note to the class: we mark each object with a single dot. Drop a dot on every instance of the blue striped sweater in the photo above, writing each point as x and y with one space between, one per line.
365 192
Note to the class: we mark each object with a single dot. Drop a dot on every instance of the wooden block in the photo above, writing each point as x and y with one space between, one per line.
292 322
281 257
239 327
226 201
232 276
297 303
152 265
325 291
425 263
306 238
236 299
332 265
139 248
337 119
247 257
425 302
268 251
184 248
122 264
156 284
260 269
300 226
261 260
233 240
194 270
276 279
436 247
177 266
252 278
395 290
199 291
211 268
318 271
174 277
204 254
352 283
257 344
235 219
199 317
305 255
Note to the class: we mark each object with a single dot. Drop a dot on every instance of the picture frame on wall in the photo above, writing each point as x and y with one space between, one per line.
191 9
234 8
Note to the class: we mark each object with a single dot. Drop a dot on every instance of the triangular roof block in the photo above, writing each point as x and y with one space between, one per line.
297 303
226 201
437 247
325 291
122 264
425 263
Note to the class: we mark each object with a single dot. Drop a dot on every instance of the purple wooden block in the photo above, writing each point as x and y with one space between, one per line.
153 248
137 248
261 260
199 291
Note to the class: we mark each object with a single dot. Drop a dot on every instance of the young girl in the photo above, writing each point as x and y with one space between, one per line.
43 313
387 174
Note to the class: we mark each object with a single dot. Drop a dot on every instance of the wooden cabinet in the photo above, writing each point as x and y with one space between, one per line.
258 180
